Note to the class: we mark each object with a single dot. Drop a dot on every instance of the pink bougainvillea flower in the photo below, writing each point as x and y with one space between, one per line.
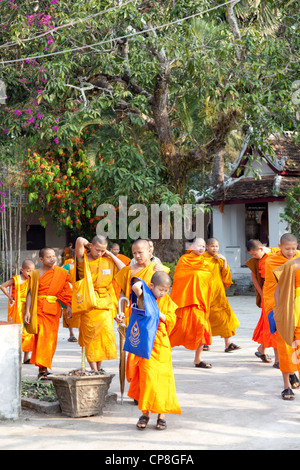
56 140
17 112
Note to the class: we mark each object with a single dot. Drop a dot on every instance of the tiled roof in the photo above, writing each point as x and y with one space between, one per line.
287 148
254 189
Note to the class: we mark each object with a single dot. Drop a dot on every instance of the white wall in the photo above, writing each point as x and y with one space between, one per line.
277 226
229 229
10 370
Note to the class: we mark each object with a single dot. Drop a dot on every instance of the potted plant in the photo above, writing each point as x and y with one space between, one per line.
81 393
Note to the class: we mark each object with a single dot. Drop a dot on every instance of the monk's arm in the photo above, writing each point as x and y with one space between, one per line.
27 308
137 288
116 260
4 287
162 317
222 257
80 245
256 284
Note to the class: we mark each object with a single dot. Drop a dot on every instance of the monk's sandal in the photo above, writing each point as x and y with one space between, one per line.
161 424
143 421
288 394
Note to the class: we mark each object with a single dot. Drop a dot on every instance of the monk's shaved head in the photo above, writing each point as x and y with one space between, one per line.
43 252
254 245
141 242
288 238
212 240
99 239
28 263
161 278
288 245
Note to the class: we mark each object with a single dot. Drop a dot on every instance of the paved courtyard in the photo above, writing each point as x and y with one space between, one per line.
234 405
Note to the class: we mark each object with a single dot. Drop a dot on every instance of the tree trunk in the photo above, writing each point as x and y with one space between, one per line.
218 170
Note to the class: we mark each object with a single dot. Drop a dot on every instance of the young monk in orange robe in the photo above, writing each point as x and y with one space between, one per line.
18 289
288 250
153 384
287 318
191 291
96 332
262 334
48 285
115 249
222 318
144 269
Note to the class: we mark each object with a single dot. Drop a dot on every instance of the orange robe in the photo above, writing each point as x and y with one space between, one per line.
96 331
287 354
17 310
153 383
123 278
272 262
73 322
191 291
124 259
52 287
262 333
222 318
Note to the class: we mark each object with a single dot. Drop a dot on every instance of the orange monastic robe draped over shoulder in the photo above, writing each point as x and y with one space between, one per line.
285 352
191 292
222 318
52 287
272 262
96 331
17 310
153 383
123 278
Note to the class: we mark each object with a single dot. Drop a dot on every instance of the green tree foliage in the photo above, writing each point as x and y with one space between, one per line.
167 93
292 211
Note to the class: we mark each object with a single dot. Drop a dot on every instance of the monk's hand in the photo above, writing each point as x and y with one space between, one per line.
11 301
108 253
120 317
69 312
219 256
27 318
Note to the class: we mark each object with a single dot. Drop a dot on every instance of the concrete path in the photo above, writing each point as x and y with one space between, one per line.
235 405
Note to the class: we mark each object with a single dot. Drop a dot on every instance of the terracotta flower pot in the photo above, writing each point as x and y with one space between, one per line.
81 396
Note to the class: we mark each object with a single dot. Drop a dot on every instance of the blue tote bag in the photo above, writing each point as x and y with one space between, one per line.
143 324
272 322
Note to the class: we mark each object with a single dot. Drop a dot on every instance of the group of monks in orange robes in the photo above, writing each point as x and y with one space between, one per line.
186 311
266 266
195 310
